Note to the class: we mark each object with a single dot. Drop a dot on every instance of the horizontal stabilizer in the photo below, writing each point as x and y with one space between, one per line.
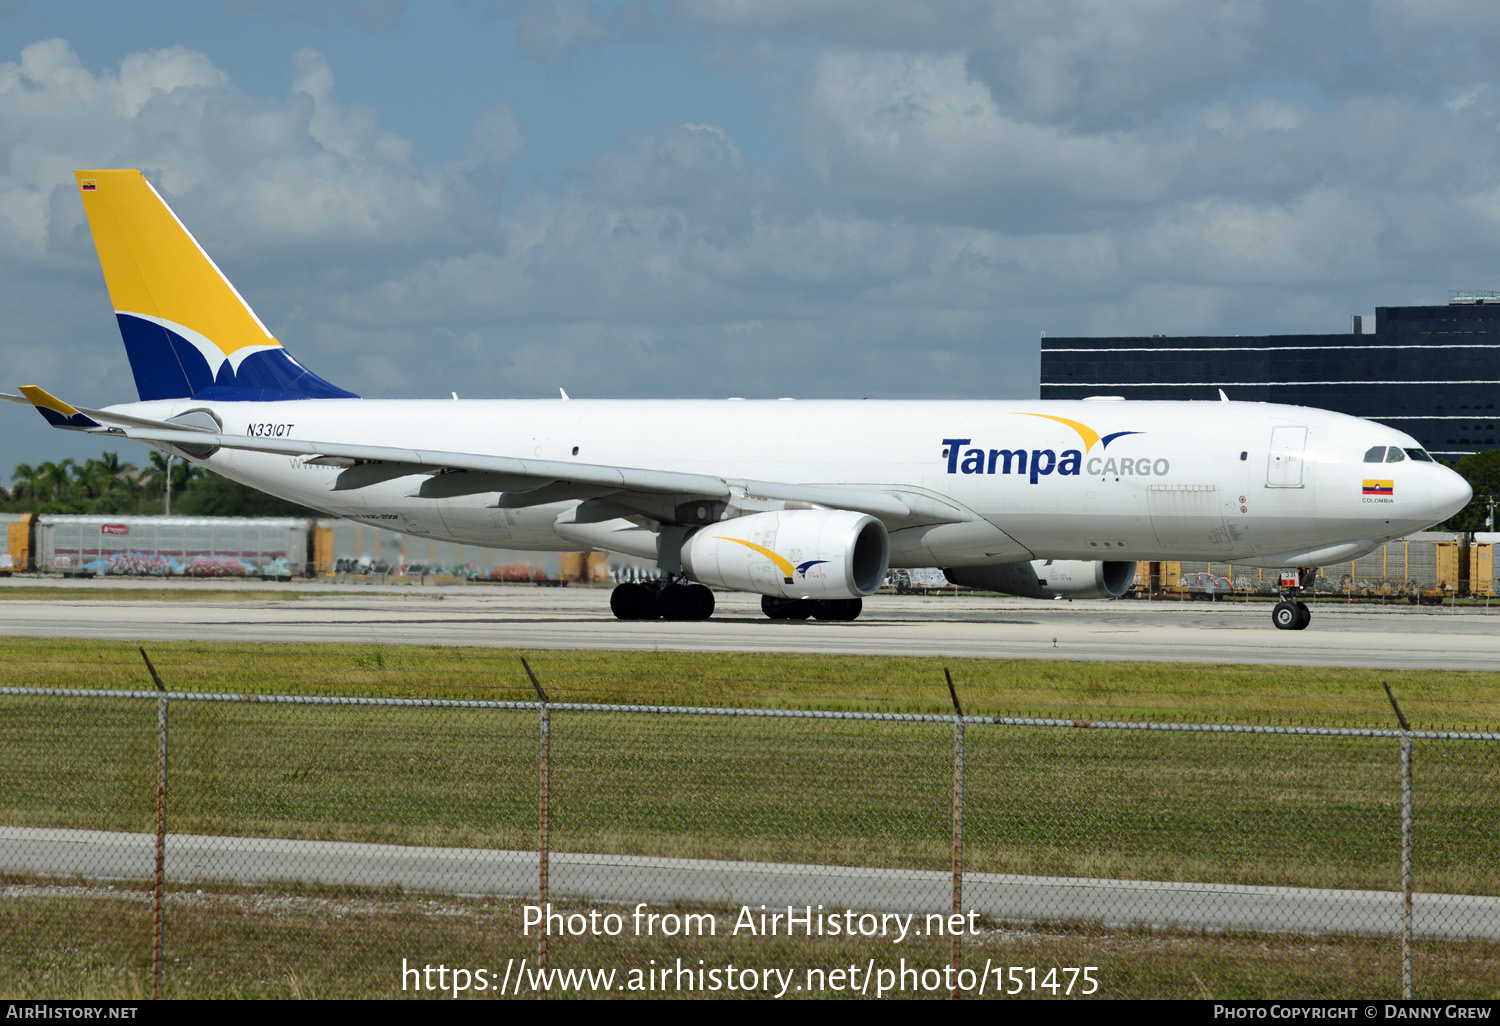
55 411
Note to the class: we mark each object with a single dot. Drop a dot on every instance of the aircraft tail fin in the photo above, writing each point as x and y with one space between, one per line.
187 331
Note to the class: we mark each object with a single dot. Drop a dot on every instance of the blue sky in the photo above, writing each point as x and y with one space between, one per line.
823 198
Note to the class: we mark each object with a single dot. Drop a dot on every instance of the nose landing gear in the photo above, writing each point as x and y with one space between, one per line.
1290 614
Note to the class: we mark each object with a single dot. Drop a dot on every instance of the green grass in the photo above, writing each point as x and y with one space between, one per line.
308 943
1318 812
1158 692
1274 810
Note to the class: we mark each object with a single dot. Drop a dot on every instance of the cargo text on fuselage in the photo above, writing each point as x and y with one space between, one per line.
1035 464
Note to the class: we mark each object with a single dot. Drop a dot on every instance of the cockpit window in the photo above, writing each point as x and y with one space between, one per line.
1396 454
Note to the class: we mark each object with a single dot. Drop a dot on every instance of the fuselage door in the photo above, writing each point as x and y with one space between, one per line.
1284 469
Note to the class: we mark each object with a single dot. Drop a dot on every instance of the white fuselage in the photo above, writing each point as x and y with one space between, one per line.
1243 482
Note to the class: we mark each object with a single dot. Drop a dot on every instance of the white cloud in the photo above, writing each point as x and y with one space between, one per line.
1081 62
550 30
918 131
256 177
1322 236
961 177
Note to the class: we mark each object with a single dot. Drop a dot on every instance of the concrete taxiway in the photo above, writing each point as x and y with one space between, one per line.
628 879
1396 636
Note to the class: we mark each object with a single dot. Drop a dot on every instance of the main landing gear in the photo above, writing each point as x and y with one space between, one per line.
1291 614
818 609
669 600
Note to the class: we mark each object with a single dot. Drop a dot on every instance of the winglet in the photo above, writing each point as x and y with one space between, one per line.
57 412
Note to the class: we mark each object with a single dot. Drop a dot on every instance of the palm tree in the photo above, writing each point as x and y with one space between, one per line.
55 482
24 479
88 479
107 474
116 472
158 475
170 474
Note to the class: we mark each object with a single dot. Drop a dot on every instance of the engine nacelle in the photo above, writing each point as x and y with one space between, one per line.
797 554
1057 578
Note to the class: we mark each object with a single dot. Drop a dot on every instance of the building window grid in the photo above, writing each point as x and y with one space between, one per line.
1293 361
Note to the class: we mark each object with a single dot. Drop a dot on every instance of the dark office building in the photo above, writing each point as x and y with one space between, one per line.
1431 371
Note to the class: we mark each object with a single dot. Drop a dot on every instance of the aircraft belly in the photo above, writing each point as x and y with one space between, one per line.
1072 535
469 521
972 543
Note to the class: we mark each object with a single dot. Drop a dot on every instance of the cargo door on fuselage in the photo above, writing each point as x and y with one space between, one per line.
1284 467
1188 518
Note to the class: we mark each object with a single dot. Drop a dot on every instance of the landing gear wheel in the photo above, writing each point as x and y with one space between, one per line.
650 605
625 601
700 602
1286 617
1304 617
674 599
788 609
837 609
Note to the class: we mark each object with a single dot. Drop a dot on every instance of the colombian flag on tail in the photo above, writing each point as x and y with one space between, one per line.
187 331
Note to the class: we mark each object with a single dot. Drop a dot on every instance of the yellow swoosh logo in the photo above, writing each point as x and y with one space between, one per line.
787 570
1088 434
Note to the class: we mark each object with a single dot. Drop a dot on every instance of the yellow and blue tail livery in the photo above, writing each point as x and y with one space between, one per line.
187 331
55 411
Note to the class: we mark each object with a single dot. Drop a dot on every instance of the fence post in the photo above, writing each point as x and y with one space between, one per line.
161 828
958 826
1406 866
542 840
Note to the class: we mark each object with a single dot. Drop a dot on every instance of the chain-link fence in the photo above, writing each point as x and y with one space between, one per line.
344 847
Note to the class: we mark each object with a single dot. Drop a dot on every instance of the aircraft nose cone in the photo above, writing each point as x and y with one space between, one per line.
1450 493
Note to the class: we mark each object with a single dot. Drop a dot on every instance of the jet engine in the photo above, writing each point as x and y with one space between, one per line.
1055 578
793 554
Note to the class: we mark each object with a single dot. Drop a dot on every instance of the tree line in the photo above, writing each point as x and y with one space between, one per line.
1482 471
109 485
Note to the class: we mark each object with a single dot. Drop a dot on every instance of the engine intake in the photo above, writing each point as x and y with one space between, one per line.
1058 578
795 554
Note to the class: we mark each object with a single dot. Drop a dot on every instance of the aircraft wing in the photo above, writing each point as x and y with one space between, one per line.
516 482
527 482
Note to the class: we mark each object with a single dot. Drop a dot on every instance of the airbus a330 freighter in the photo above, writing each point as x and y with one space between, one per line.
806 503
